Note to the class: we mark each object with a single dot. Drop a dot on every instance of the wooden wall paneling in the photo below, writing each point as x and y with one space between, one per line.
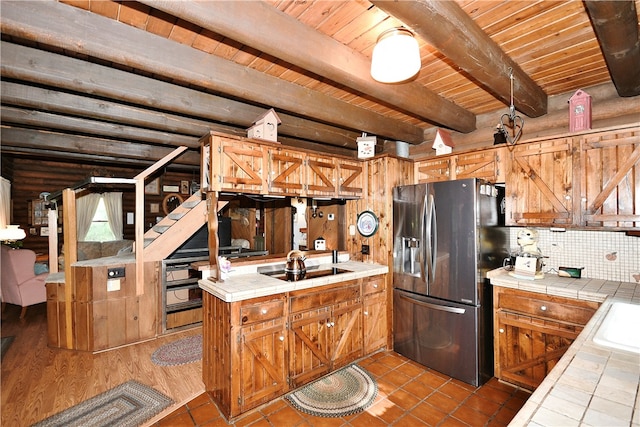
322 227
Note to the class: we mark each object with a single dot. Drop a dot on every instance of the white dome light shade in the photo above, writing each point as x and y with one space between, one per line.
396 56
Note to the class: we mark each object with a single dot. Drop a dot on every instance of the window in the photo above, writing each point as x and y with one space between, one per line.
99 231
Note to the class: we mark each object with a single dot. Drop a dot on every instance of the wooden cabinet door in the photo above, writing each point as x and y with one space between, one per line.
263 367
484 164
286 172
533 331
321 176
374 314
610 179
432 170
528 350
539 184
310 345
242 166
346 333
352 178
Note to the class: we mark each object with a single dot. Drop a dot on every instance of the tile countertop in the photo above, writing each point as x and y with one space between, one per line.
590 385
245 282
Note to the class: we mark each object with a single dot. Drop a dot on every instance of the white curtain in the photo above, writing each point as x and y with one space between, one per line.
5 202
113 204
86 207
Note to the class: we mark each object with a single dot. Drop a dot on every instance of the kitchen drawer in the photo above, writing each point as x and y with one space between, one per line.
310 298
262 311
546 306
373 285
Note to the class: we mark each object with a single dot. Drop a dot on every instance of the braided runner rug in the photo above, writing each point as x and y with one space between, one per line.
129 404
179 352
347 391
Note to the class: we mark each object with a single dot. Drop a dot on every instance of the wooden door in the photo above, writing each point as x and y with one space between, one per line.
539 184
529 349
346 330
309 345
374 314
286 172
433 169
610 179
352 178
480 164
243 166
321 176
263 370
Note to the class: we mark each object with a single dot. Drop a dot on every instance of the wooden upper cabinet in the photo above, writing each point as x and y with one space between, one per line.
243 167
485 164
352 178
539 184
321 176
609 182
286 172
433 169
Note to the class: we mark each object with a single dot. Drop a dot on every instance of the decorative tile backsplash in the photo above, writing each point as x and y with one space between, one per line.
604 255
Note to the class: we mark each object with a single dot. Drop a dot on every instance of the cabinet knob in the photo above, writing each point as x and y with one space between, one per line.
543 308
501 330
281 338
375 286
366 313
263 311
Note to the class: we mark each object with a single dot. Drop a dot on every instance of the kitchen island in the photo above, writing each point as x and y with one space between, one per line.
263 336
591 384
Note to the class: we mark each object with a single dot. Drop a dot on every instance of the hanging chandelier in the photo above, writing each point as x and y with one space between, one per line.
396 56
510 121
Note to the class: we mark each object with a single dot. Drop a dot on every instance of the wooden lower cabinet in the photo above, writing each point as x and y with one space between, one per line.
533 331
325 332
374 313
258 349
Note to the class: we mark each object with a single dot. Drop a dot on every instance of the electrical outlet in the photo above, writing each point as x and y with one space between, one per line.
365 249
114 273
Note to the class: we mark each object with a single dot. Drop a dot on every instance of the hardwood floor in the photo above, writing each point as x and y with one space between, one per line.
38 381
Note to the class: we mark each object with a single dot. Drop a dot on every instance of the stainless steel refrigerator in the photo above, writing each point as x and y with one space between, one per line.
446 237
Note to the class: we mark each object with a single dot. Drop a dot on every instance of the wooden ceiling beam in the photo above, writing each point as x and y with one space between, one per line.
448 28
77 144
253 24
616 26
77 125
49 23
46 68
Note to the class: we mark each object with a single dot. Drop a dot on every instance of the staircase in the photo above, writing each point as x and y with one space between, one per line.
174 229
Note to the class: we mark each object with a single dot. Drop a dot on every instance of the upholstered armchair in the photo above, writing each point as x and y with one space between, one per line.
20 285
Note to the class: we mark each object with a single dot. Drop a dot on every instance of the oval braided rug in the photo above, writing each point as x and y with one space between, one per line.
347 391
179 352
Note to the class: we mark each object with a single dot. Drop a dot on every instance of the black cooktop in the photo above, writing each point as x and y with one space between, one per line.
309 274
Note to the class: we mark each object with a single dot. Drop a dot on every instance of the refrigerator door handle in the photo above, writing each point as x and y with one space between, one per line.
448 309
434 239
423 225
429 246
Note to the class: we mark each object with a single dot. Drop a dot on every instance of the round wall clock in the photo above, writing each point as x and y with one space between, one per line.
367 223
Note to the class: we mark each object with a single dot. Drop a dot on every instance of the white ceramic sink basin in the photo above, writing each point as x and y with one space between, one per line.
619 329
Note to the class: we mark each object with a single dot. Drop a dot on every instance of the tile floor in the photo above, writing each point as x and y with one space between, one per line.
409 395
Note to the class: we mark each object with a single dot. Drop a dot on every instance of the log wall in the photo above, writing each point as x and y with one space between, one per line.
30 177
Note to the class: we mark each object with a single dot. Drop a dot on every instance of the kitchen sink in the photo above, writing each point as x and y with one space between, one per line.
618 329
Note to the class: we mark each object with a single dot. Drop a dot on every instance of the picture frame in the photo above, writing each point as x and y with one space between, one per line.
184 187
154 207
170 188
153 187
44 231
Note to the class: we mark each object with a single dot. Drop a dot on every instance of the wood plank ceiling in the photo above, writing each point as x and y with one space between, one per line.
83 79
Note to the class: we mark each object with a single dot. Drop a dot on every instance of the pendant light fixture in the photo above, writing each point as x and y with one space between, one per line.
396 56
509 121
